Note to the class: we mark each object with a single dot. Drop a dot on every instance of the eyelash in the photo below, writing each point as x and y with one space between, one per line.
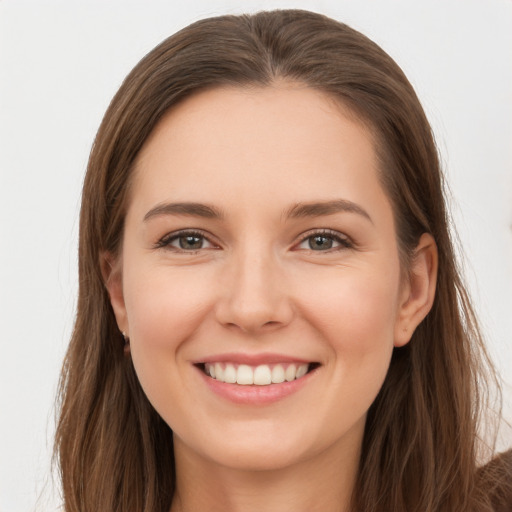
165 242
343 241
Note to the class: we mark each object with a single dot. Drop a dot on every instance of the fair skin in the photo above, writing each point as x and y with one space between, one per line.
290 259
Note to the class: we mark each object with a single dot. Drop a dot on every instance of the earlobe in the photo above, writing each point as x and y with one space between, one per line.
419 291
112 278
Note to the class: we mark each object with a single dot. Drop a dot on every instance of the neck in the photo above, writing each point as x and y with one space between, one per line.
323 483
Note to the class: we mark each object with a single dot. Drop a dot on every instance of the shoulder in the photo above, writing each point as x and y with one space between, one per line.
496 478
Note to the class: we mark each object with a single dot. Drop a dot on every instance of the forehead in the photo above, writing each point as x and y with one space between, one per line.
253 144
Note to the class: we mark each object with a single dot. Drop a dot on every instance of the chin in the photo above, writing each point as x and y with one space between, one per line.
253 455
267 445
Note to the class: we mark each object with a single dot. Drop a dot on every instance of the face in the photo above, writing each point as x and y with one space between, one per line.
259 280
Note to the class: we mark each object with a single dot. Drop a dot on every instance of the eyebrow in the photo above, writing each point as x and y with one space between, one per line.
187 209
318 209
299 210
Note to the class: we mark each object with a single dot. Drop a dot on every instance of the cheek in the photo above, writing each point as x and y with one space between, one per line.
357 309
355 318
163 306
164 309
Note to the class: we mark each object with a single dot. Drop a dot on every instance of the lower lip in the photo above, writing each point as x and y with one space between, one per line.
255 395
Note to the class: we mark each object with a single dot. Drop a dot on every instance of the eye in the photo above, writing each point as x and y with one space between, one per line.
185 241
323 241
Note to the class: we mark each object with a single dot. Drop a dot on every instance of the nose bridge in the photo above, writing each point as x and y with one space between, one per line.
255 293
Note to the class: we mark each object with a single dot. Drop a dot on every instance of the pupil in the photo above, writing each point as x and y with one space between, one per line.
191 242
320 242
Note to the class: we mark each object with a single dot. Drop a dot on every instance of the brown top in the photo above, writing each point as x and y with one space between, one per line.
500 470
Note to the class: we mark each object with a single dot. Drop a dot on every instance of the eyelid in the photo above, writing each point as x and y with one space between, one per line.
165 241
345 242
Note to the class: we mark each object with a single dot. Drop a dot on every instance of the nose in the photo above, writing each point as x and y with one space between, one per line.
255 296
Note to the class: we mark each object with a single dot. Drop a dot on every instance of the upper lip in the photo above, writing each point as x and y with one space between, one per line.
252 359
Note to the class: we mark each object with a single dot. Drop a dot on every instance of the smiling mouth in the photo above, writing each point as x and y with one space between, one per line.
260 375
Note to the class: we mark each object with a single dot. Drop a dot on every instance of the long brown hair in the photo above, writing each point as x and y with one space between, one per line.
420 448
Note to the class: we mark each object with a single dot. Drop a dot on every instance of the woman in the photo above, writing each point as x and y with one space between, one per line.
270 314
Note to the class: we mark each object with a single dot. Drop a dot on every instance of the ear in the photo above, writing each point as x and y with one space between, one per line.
417 295
113 279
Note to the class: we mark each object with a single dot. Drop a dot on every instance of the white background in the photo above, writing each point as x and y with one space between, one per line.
60 64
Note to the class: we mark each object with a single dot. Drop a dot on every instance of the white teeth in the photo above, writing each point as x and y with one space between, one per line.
290 373
301 371
261 375
230 374
278 374
219 372
244 375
